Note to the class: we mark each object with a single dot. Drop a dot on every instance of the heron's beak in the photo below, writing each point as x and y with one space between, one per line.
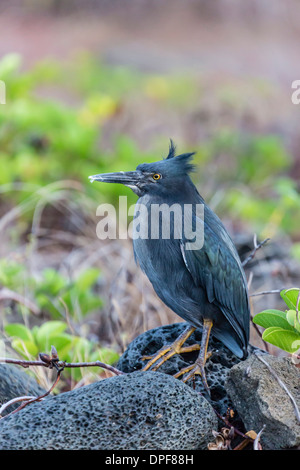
128 178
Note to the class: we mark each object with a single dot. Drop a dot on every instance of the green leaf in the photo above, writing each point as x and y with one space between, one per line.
89 302
52 282
87 279
291 316
47 304
106 355
284 339
49 330
9 64
11 273
25 348
62 343
290 297
19 331
82 348
272 318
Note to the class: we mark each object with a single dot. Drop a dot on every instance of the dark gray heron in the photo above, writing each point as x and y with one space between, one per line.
205 285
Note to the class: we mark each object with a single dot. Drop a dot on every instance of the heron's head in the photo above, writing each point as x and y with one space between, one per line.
160 177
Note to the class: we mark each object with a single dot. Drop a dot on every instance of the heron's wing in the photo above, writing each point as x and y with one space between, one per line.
216 267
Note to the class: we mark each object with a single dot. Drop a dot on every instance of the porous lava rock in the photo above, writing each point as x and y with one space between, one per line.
140 410
14 382
217 366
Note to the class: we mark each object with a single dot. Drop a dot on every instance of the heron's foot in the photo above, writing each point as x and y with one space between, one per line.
169 350
198 368
166 353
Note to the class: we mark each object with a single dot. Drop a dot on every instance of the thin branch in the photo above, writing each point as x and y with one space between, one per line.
7 294
13 401
60 364
39 398
229 425
272 371
256 443
50 362
250 280
257 246
243 444
256 328
91 364
264 292
22 363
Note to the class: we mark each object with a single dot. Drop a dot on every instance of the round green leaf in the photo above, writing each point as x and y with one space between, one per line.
290 296
49 330
19 331
272 318
87 279
62 343
292 318
284 339
25 348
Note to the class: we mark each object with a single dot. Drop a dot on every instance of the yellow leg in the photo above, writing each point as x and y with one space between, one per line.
170 350
198 367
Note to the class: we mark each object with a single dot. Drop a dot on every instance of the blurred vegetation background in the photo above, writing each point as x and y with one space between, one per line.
97 86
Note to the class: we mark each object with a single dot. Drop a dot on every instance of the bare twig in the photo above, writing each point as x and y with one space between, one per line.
7 294
243 444
266 346
250 437
60 364
39 398
264 292
229 425
250 280
13 401
257 246
247 438
92 364
272 371
50 362
256 443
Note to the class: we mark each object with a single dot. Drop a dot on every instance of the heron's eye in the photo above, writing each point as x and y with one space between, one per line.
156 176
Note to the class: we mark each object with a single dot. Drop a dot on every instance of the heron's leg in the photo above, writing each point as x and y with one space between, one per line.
170 350
198 367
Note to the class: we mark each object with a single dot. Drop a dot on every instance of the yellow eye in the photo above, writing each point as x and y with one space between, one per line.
156 176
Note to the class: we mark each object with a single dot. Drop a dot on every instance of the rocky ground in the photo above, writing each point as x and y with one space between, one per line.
153 410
